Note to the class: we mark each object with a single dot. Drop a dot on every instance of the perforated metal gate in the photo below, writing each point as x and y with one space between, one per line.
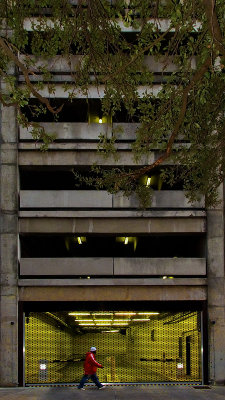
133 346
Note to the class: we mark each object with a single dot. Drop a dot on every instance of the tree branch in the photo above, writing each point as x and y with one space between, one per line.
196 78
9 53
214 27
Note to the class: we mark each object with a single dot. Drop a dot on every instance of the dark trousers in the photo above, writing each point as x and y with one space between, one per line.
94 379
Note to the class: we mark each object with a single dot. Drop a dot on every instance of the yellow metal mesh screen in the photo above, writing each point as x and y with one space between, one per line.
134 347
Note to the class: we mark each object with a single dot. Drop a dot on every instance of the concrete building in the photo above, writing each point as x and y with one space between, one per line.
81 267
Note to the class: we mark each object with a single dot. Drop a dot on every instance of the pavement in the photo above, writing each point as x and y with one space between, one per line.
115 393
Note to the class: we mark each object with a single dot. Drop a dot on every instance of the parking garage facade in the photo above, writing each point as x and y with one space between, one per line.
83 267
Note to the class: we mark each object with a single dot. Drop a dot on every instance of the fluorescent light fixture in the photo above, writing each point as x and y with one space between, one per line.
86 323
79 240
148 313
126 240
140 319
103 320
125 313
103 323
120 323
112 331
79 313
122 320
83 320
103 313
148 183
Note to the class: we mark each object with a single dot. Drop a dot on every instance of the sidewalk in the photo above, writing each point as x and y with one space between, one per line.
114 393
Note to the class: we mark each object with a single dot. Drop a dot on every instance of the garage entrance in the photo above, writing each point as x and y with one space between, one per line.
133 346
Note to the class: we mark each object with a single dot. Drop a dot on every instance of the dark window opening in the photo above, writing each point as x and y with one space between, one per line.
152 246
59 178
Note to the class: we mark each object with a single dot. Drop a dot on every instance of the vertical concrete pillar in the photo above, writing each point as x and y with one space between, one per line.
8 248
216 292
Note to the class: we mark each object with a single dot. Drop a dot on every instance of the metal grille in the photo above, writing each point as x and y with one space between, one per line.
132 346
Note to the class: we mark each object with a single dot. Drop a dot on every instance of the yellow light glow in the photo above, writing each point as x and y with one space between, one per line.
79 313
103 313
171 277
122 320
140 319
79 240
100 120
103 320
126 240
83 320
148 313
148 183
125 313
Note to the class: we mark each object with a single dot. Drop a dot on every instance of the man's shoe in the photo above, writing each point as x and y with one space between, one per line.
80 388
102 387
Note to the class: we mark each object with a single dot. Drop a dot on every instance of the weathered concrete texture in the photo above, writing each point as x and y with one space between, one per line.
101 199
112 266
8 249
216 291
141 392
109 225
85 281
121 293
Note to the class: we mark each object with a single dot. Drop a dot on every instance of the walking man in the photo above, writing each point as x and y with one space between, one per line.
90 368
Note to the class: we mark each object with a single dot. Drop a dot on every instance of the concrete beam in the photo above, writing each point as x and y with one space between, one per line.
113 213
112 266
101 199
117 293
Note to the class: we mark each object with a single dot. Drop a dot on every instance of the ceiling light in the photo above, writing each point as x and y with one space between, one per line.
103 320
86 323
79 313
126 240
148 183
83 320
148 313
79 240
112 331
140 319
103 313
122 320
125 313
120 323
100 120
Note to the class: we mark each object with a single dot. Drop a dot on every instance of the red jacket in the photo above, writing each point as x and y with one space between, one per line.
90 364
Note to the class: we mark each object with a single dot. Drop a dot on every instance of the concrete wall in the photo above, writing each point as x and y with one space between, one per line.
8 249
112 266
216 291
101 199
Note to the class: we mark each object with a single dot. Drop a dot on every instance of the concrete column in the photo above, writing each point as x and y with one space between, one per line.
216 292
8 248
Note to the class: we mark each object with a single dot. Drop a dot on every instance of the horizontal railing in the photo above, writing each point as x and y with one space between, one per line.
83 199
102 266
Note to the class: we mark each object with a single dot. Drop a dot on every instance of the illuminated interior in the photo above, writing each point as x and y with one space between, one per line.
133 346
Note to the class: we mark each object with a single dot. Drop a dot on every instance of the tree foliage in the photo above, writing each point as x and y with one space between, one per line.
181 120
